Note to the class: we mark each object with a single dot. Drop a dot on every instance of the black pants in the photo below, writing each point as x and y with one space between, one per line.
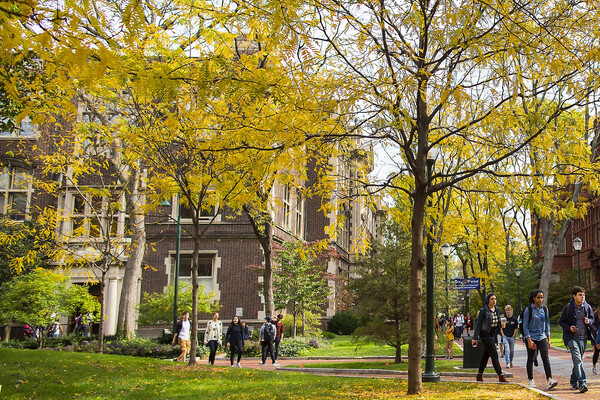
489 351
595 356
267 346
236 346
212 344
542 347
277 341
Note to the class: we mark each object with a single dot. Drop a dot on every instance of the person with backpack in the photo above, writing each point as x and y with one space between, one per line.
487 327
596 346
449 340
536 333
266 339
509 332
459 323
182 333
577 321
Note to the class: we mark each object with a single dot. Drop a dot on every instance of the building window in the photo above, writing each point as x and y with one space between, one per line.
562 246
15 192
24 129
299 214
88 215
205 269
287 206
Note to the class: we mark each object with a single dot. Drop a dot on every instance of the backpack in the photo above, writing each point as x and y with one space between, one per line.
521 331
268 335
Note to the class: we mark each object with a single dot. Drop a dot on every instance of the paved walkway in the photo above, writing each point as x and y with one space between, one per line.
559 359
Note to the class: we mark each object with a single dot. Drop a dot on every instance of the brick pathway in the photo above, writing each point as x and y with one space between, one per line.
560 361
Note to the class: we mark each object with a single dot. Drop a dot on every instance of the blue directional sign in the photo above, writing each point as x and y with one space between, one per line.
467 284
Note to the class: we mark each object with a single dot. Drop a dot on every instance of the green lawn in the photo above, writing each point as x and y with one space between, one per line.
41 374
440 365
346 346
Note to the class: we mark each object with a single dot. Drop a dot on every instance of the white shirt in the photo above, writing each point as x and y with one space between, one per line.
460 320
184 333
214 331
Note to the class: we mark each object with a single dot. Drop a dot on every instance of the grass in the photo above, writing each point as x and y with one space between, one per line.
440 365
60 375
346 346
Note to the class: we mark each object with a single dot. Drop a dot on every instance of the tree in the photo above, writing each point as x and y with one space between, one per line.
382 290
39 297
425 75
157 308
300 280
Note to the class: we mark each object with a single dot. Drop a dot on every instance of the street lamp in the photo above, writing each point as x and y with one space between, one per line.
577 246
446 249
430 375
518 274
177 254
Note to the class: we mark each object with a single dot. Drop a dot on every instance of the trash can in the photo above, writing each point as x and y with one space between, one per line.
471 355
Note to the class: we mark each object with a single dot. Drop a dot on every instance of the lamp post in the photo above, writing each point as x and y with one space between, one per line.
430 375
518 274
577 246
446 249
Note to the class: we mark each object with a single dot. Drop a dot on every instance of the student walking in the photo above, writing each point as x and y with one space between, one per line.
509 331
449 340
266 338
182 333
213 336
235 340
279 336
536 331
596 346
577 321
487 327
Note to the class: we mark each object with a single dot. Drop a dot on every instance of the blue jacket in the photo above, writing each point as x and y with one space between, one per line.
536 326
484 323
567 319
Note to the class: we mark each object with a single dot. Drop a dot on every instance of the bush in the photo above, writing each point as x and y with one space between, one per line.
343 323
329 335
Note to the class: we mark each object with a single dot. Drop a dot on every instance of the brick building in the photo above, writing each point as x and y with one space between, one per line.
229 247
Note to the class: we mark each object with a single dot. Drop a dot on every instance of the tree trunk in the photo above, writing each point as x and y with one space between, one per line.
133 270
194 333
303 324
295 326
416 294
101 324
7 329
267 245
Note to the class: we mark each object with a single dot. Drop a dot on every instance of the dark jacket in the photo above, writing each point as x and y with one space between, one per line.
235 334
568 319
483 326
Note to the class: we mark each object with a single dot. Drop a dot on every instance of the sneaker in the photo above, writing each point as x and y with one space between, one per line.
551 383
531 383
238 365
594 371
261 364
583 388
276 363
508 366
511 365
574 386
232 365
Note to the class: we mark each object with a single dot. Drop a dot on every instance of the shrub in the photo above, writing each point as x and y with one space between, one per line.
329 335
343 323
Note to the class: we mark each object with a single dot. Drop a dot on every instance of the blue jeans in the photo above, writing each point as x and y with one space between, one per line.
577 347
509 348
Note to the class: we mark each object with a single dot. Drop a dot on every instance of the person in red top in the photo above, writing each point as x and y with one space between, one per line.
279 327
